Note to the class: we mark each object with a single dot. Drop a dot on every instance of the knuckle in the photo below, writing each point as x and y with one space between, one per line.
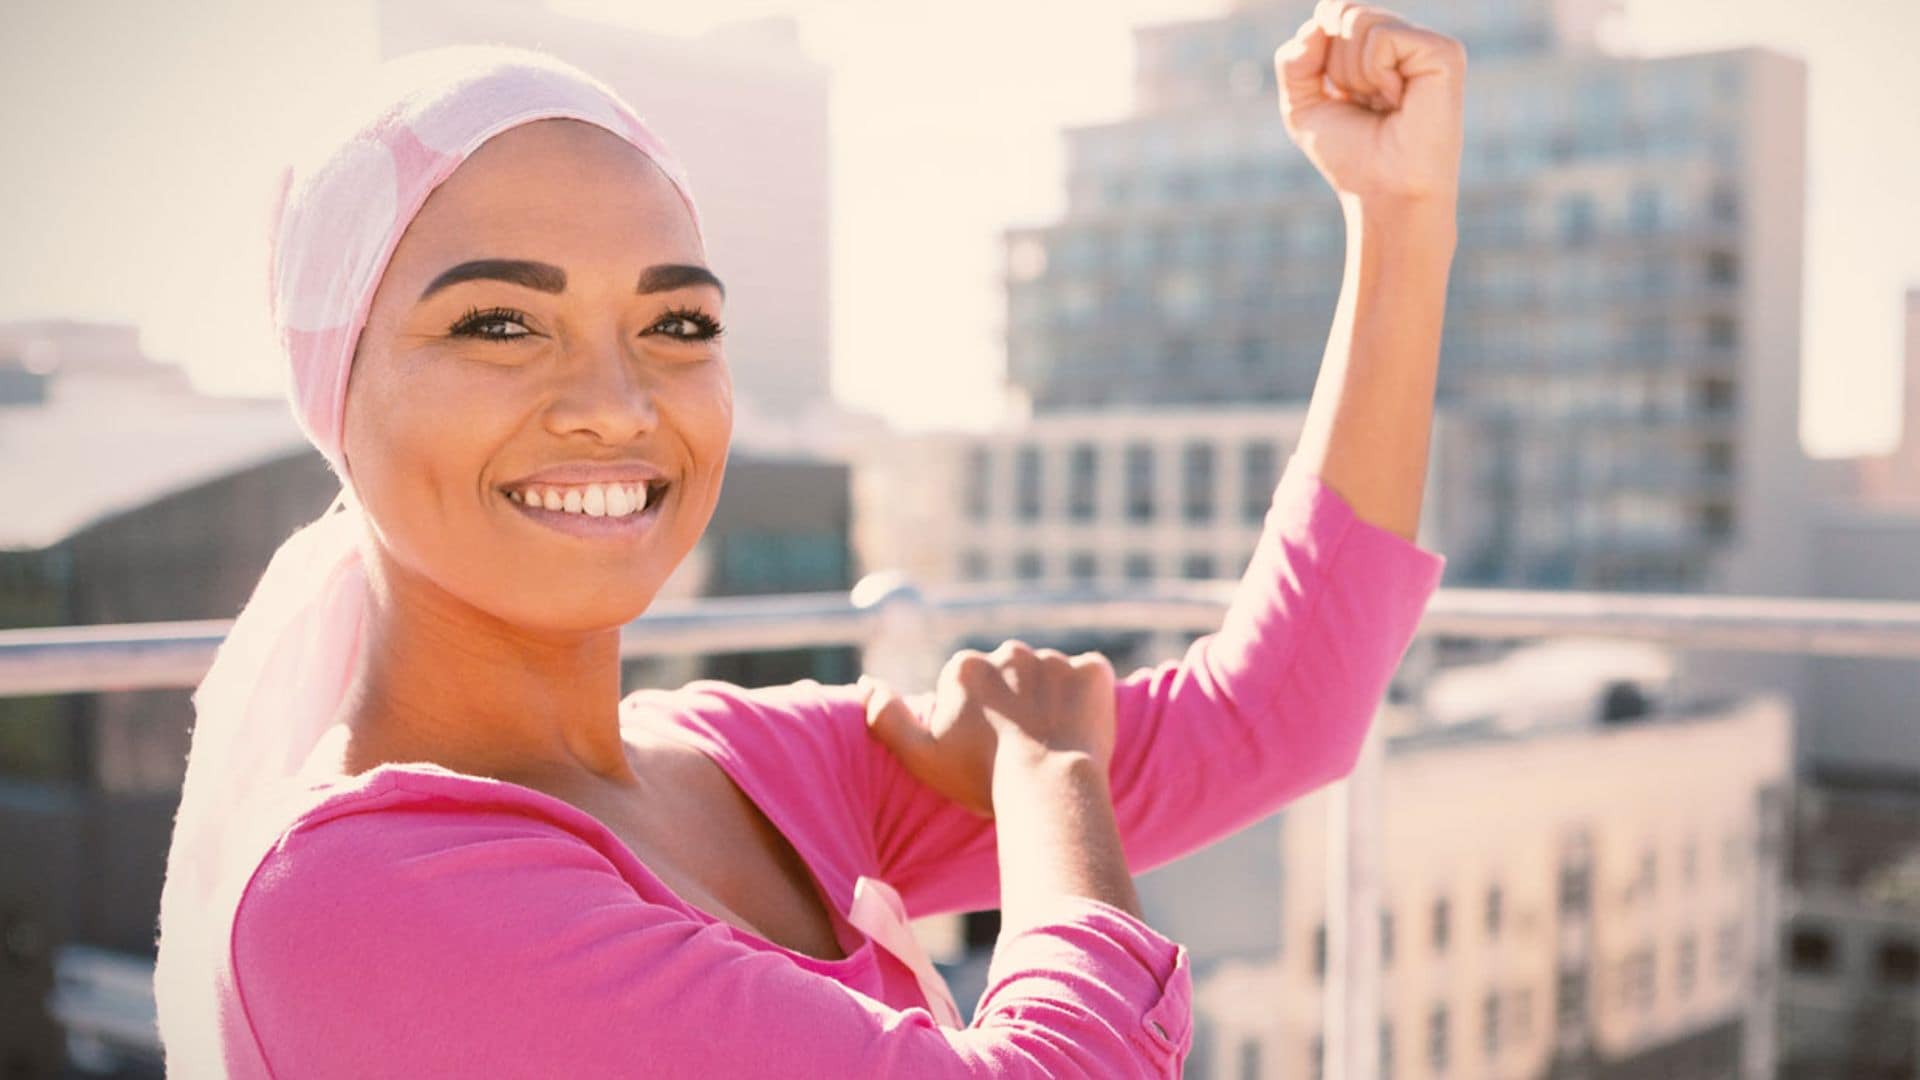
968 664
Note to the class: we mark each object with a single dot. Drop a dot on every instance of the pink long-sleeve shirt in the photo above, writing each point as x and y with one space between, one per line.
415 921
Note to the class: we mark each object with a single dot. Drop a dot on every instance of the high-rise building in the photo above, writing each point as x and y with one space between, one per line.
1892 480
1623 317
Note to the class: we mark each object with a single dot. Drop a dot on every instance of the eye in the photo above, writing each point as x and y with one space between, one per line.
691 324
489 324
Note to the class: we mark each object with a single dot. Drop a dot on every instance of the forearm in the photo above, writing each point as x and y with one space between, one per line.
1368 426
1057 836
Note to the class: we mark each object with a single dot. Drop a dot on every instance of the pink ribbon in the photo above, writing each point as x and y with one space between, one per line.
879 913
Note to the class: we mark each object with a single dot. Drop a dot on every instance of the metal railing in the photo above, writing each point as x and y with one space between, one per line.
904 631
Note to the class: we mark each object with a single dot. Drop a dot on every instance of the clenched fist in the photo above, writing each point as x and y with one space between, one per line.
1375 102
1014 700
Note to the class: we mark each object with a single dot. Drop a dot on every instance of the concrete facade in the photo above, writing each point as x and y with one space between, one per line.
1626 918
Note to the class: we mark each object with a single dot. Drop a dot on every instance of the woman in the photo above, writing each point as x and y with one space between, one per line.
423 834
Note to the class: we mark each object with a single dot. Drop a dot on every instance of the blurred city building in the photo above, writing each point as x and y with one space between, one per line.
1623 318
1852 950
1585 897
1126 493
745 110
1892 480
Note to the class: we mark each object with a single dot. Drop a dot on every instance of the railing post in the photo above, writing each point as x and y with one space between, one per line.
903 652
1350 1024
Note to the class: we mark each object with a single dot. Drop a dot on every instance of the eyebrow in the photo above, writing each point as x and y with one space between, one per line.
549 278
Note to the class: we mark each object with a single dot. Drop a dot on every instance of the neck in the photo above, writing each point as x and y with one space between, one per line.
441 681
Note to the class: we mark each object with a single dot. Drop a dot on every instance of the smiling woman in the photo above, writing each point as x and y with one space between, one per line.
422 832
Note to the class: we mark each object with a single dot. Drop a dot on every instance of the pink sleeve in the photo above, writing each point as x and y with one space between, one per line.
1272 705
476 941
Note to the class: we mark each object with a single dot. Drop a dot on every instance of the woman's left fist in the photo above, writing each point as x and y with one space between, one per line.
1375 102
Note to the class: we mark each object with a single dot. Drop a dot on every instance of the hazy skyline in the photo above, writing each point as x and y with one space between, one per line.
142 139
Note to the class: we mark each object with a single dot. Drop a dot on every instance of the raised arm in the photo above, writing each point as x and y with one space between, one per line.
1277 702
443 941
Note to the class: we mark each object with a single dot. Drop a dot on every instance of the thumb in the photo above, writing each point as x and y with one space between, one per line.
890 720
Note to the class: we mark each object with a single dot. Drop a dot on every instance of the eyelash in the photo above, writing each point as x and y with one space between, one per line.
468 324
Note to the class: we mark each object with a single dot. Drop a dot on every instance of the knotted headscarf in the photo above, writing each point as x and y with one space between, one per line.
280 678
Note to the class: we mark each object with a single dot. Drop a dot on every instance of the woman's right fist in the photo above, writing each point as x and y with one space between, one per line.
1014 700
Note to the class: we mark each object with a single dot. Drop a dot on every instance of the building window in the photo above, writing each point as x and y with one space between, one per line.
1437 1038
1316 1057
1714 394
973 565
1083 481
1029 566
1723 205
1723 268
1685 964
1810 950
1440 919
1576 218
1726 949
1250 1060
1490 1022
1259 462
1899 963
1635 985
1138 566
1199 481
1320 950
1722 332
1082 567
1197 566
1576 887
1570 1003
1520 1015
1140 482
1386 939
1386 1050
979 466
1026 482
1643 209
1493 910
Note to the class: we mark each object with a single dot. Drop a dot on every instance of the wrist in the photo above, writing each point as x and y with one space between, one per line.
1431 215
1027 764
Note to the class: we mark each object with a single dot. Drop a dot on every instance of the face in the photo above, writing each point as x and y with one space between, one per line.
538 315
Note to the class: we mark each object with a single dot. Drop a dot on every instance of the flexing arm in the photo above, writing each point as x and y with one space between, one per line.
1277 702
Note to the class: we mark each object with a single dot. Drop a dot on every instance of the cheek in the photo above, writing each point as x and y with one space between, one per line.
421 448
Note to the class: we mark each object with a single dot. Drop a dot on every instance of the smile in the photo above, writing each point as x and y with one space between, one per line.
593 510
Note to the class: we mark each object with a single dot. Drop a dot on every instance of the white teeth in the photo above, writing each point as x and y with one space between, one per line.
594 500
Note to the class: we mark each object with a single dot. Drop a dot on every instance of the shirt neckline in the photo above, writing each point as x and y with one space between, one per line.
861 955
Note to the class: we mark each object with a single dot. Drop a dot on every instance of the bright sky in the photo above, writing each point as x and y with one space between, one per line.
140 141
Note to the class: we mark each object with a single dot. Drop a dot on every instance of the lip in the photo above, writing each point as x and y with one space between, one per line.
592 472
631 527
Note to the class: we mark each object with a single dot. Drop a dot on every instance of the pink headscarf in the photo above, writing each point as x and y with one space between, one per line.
280 677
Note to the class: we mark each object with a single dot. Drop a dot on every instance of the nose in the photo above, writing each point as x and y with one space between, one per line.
607 393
